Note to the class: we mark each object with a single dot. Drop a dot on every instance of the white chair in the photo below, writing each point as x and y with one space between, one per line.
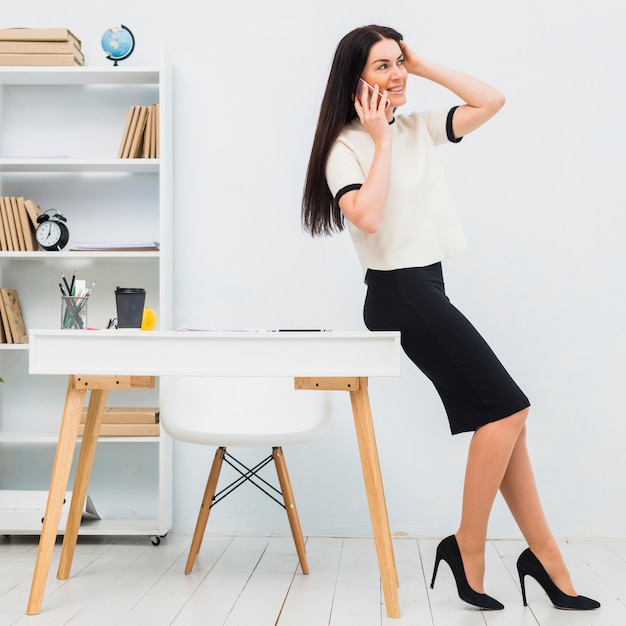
243 412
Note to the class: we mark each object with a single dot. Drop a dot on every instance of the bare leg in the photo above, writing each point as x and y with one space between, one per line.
520 493
489 454
498 459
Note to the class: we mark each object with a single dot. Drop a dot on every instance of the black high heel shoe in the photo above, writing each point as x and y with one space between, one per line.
529 565
448 551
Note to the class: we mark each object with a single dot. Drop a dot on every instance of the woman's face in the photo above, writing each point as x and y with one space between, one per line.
385 68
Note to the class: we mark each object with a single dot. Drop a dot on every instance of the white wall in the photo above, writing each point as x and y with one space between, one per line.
539 190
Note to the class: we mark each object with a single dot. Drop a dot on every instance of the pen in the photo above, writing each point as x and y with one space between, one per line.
303 330
72 284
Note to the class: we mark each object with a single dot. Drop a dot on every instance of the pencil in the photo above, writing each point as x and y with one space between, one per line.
69 291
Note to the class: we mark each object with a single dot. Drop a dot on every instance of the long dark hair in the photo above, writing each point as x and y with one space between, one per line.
320 213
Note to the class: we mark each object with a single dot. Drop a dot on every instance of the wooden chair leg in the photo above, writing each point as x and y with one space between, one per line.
290 506
205 508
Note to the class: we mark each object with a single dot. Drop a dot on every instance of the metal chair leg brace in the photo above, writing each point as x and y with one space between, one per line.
249 475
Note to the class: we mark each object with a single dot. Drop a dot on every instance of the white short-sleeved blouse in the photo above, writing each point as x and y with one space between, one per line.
420 225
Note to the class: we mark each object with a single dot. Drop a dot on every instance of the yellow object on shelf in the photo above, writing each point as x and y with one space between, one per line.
149 319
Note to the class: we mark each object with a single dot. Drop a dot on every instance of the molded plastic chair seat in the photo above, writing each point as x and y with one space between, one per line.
242 411
247 412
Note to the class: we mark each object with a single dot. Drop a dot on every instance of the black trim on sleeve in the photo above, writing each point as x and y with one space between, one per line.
345 190
449 130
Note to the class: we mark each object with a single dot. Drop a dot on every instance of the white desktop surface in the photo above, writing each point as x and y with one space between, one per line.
214 353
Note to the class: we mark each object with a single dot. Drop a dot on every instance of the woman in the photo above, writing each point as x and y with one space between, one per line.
379 173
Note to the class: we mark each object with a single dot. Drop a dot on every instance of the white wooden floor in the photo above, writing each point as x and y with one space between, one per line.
255 581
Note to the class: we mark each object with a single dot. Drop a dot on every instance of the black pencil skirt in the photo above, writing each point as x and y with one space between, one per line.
474 386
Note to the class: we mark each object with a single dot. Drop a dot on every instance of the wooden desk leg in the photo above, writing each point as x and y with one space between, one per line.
68 434
88 446
375 496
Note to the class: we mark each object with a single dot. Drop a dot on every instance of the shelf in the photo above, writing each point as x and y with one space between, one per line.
13 346
33 438
106 527
82 254
79 76
62 164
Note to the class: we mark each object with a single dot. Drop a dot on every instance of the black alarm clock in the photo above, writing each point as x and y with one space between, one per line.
52 232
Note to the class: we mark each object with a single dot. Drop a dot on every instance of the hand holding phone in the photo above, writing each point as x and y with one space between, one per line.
365 90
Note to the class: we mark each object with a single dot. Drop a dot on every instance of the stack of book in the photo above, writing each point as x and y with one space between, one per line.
141 134
39 46
12 326
126 422
18 221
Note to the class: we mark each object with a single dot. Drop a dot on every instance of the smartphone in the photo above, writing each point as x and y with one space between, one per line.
364 87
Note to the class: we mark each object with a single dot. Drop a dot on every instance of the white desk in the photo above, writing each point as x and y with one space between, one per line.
114 359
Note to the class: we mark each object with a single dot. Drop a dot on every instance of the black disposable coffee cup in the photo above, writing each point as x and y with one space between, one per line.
129 302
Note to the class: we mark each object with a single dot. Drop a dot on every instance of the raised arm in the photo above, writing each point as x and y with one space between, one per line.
482 101
364 207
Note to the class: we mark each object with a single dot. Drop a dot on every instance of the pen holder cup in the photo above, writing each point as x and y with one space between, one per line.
129 302
74 312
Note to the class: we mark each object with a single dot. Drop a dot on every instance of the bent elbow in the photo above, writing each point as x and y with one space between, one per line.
497 101
369 227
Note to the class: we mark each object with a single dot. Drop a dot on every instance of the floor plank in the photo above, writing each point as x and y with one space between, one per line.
310 599
358 592
261 599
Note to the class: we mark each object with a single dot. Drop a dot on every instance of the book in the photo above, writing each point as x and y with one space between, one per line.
39 34
33 210
127 415
147 139
11 303
40 59
40 47
157 111
12 201
137 140
27 228
10 228
129 121
4 322
3 237
125 430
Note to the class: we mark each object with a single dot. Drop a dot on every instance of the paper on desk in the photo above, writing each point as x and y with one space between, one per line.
116 245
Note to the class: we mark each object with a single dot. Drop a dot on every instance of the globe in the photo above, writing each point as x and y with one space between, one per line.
118 42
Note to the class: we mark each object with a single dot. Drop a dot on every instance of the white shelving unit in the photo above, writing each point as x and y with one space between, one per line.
60 131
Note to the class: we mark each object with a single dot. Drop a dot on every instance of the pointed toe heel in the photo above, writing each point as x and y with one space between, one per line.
529 565
448 551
